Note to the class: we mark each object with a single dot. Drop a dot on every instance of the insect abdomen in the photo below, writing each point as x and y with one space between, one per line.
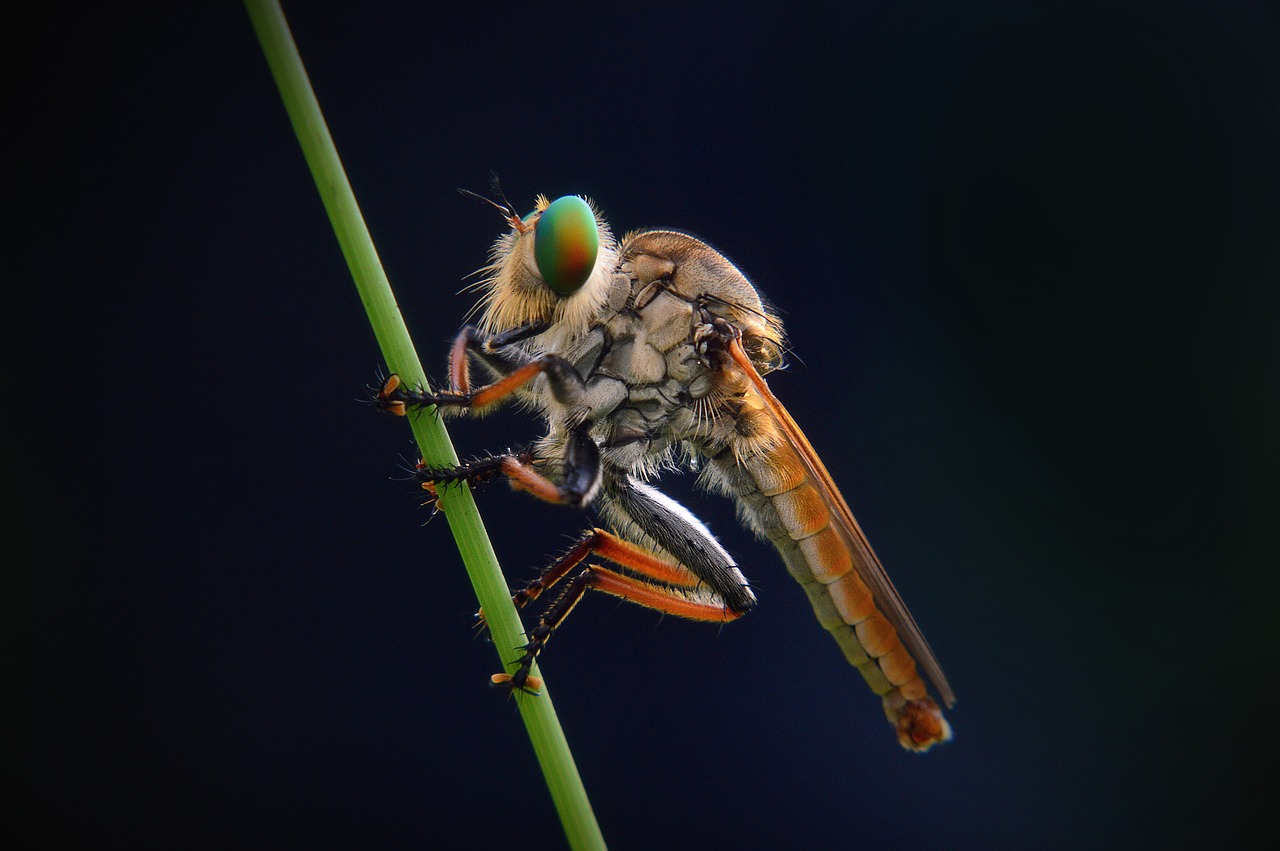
778 500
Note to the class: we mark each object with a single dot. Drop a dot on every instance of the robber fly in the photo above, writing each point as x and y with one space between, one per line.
641 355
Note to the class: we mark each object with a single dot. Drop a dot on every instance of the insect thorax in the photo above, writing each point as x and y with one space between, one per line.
654 378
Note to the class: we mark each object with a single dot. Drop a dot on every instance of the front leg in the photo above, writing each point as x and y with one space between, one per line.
566 385
499 352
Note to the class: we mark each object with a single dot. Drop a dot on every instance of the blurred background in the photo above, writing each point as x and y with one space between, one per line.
1027 257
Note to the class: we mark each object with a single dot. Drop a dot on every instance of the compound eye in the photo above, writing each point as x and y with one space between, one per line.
565 244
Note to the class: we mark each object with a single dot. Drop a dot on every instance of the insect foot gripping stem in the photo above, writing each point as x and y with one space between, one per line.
523 679
919 723
389 397
394 398
477 471
529 684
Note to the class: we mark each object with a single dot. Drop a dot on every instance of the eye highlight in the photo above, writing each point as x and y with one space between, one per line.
566 241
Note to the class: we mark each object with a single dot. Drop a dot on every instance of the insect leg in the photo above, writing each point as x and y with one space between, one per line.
582 472
684 572
658 584
606 545
648 514
565 381
497 352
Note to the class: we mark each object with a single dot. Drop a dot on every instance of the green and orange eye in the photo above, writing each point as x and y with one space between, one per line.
566 241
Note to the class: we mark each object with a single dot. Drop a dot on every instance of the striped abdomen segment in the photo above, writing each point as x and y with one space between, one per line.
778 497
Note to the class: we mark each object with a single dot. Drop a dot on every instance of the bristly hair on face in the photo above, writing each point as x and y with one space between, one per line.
514 294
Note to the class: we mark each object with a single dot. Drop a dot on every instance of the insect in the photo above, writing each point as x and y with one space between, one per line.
643 354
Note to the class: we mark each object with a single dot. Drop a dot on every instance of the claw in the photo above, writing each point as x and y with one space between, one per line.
394 398
529 684
481 625
384 398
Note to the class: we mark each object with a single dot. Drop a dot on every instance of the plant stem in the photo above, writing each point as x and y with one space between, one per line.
539 713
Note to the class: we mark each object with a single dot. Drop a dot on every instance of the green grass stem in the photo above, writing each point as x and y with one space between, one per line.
539 713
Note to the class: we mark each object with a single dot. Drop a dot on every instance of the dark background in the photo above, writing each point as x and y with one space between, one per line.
1027 256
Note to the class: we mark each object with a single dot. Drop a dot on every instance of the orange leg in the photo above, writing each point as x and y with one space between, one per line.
617 550
565 381
581 474
681 602
459 365
662 586
395 398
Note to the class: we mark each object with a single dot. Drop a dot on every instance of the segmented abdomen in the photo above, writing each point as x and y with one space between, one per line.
778 500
